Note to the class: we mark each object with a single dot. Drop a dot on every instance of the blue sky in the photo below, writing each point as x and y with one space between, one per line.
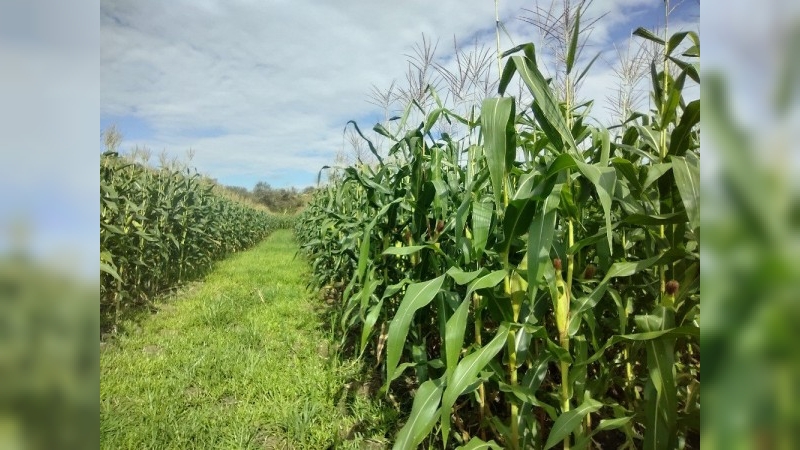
261 91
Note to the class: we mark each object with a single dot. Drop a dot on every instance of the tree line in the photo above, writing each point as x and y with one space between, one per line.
278 200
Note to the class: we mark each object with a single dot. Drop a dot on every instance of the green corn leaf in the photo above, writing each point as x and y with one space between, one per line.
460 225
573 43
645 155
570 421
467 371
481 224
692 69
370 284
627 170
545 101
417 296
562 162
369 324
628 268
687 177
650 137
424 415
658 88
612 424
457 324
604 180
586 69
540 238
478 444
660 394
112 228
670 110
369 143
676 39
516 222
487 281
431 120
497 120
655 219
618 269
454 336
505 77
605 145
684 331
647 34
554 139
691 52
410 250
461 277
403 251
525 186
654 172
107 268
380 129
364 256
681 138
604 425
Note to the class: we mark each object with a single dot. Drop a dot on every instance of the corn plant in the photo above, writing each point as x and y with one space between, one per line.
162 227
534 286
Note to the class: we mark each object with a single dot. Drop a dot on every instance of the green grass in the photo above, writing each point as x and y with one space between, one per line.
241 360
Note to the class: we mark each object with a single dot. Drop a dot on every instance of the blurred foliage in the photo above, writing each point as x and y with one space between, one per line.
751 213
48 358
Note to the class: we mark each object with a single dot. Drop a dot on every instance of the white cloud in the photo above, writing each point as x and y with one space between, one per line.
277 80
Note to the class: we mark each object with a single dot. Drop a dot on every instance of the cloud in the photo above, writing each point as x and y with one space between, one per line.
267 87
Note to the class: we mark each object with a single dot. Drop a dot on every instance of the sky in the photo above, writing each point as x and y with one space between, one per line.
261 91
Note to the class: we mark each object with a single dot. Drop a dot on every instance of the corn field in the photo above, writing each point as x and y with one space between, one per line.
162 227
534 284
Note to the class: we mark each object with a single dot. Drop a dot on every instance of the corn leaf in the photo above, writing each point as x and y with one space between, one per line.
573 43
660 390
369 324
569 421
478 444
604 179
647 34
553 124
424 414
417 296
681 137
481 223
540 238
466 373
687 177
497 120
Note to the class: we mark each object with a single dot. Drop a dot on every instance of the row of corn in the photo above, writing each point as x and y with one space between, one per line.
534 283
160 227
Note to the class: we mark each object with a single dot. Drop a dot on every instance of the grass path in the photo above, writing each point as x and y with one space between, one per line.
237 361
